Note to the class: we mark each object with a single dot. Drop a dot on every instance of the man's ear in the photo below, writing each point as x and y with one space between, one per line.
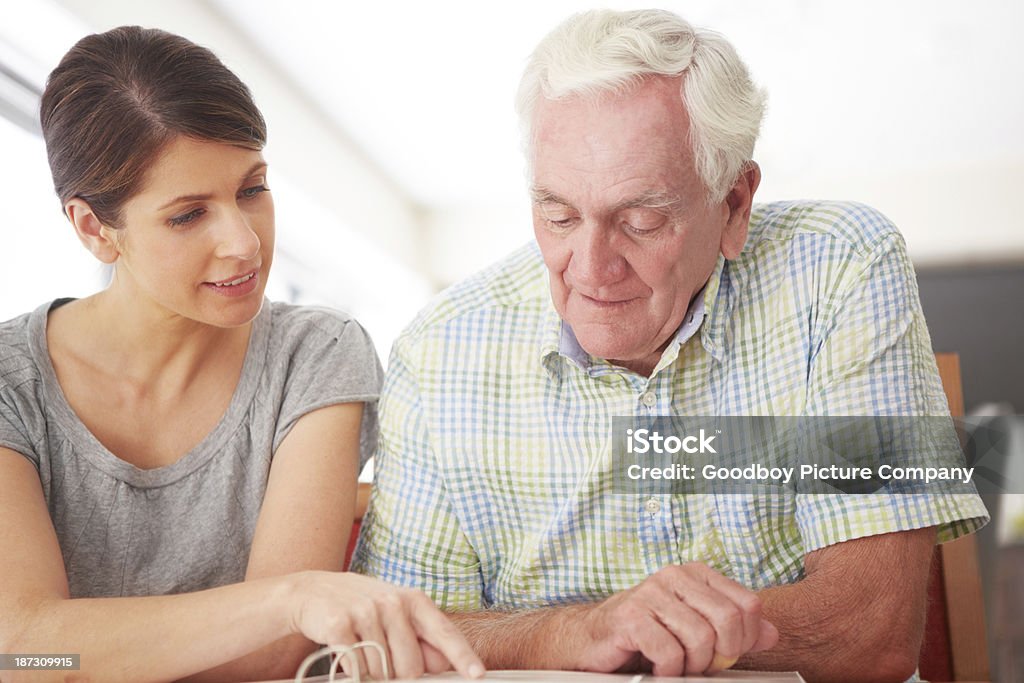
98 238
738 202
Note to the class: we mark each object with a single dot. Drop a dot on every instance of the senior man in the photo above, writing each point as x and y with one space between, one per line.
655 287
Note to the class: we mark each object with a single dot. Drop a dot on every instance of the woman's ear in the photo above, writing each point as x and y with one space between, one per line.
101 240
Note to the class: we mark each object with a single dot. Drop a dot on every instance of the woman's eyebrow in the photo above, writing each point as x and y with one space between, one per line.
255 167
202 197
185 198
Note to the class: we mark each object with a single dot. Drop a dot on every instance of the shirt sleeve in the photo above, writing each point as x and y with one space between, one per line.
874 357
15 432
410 535
331 360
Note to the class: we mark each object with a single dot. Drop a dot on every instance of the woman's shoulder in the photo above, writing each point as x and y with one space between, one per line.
17 363
23 409
328 320
316 331
320 357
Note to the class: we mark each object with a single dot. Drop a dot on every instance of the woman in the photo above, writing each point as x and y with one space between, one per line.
178 456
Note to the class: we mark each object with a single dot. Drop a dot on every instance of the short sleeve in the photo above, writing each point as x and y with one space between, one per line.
329 359
22 422
874 355
875 358
410 535
14 432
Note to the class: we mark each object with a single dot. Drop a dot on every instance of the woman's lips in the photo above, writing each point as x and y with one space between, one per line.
239 285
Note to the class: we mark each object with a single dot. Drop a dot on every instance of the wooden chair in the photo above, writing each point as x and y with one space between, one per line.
955 646
362 499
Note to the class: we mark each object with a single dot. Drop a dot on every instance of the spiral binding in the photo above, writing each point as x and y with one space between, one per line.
342 651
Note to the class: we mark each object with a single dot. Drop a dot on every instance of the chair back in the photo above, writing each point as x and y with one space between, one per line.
955 646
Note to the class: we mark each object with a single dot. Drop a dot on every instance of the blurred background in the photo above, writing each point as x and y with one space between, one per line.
396 166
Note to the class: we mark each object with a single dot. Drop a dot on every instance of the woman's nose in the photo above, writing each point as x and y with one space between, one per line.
236 237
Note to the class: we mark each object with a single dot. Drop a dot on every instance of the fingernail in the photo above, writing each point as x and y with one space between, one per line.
476 671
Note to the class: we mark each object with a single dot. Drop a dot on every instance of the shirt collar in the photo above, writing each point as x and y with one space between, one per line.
691 323
551 333
560 340
716 309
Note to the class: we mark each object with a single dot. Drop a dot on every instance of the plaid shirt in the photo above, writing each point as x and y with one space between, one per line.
494 475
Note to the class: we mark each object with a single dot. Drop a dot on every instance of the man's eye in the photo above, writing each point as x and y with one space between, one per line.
643 222
555 215
187 218
640 229
558 219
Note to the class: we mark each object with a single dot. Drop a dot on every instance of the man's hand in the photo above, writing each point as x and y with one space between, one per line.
685 619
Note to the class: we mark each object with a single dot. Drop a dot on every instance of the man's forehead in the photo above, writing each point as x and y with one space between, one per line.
586 134
656 173
618 150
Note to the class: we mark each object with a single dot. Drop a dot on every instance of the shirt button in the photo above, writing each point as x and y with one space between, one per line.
648 398
652 506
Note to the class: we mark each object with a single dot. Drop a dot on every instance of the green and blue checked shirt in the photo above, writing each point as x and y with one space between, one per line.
494 483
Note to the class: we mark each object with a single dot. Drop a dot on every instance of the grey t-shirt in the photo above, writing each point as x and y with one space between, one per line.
187 526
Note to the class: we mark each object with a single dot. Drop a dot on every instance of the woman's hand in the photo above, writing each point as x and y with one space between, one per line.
342 609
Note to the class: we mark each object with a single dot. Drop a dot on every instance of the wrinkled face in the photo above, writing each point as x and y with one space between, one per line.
198 240
621 218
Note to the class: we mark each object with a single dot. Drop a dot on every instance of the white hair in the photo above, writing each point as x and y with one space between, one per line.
605 51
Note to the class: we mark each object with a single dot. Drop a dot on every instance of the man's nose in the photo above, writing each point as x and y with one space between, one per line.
596 260
236 238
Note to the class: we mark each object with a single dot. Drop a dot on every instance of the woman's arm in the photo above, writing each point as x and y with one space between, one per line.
167 637
150 638
304 523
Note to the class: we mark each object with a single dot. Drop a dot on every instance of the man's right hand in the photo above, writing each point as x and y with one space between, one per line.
685 619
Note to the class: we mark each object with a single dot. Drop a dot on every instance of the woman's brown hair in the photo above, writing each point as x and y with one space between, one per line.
118 98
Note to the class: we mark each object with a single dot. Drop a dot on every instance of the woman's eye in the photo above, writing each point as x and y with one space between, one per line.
255 190
187 218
